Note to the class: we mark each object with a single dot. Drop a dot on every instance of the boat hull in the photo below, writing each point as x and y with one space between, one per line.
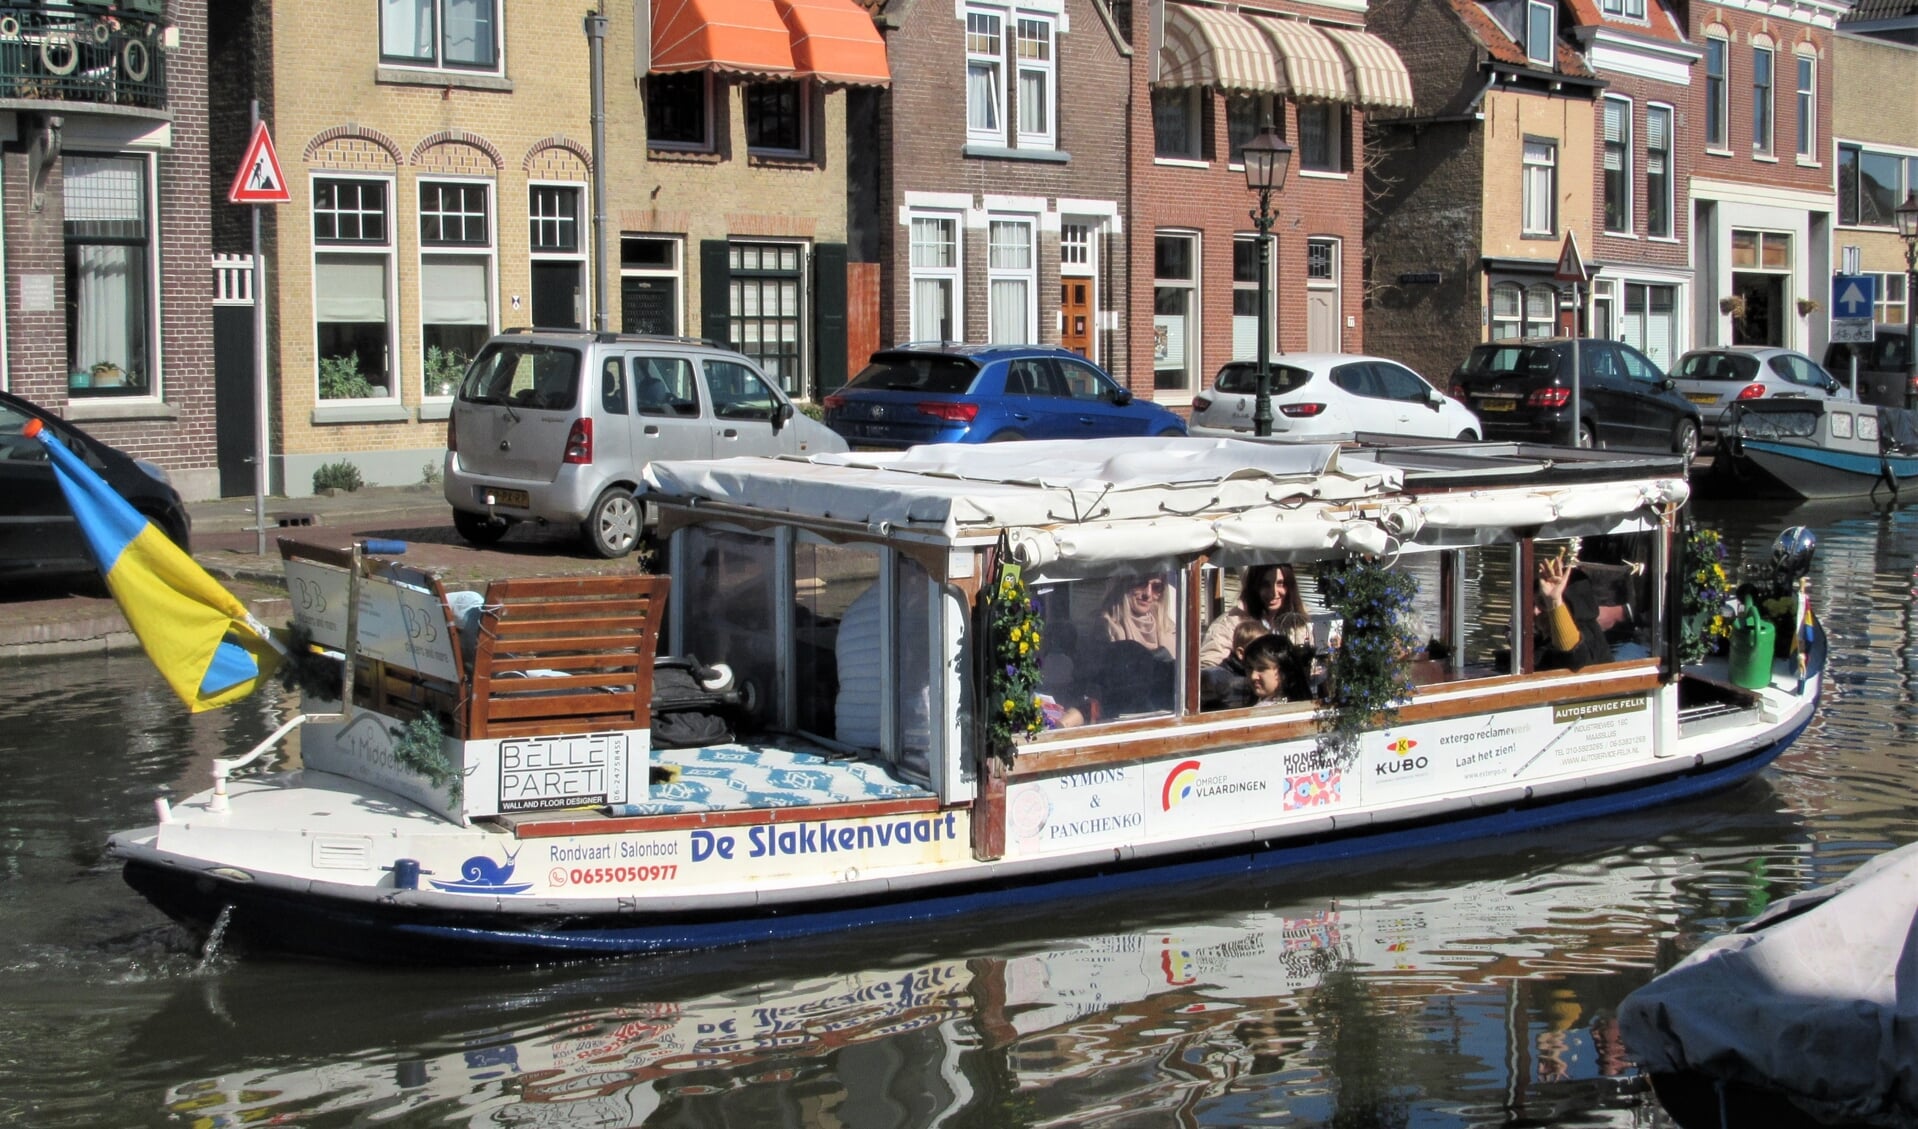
387 930
1795 470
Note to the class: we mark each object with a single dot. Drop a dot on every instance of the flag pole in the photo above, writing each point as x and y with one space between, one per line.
259 375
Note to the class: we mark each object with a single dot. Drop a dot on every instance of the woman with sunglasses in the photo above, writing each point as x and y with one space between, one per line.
1266 592
1137 610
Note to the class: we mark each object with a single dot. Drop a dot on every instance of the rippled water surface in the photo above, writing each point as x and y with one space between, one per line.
1465 987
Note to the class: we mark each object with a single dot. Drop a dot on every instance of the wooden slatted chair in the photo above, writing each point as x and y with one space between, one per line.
565 655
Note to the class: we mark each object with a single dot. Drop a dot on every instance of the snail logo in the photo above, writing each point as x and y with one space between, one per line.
481 875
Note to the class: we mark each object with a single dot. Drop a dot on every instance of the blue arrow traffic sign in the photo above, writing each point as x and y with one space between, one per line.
1853 295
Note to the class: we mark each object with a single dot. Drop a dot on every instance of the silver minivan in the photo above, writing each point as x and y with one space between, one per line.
556 426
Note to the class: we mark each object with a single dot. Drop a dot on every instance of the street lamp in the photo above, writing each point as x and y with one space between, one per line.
1907 215
1266 157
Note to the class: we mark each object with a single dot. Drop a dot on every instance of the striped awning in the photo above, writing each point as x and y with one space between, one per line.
835 41
742 36
1378 75
1216 48
1313 67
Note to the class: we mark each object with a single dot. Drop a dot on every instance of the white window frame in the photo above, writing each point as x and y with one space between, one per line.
1191 373
1718 101
1541 51
386 251
1627 185
1766 145
1670 152
438 61
998 271
952 274
991 62
1531 195
675 271
150 200
580 224
1045 69
1884 310
1337 132
742 281
1807 104
426 253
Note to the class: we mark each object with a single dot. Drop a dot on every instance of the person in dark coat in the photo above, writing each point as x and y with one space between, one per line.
1565 618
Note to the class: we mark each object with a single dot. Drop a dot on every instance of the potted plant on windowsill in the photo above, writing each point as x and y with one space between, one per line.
340 379
1732 304
1807 307
444 370
106 374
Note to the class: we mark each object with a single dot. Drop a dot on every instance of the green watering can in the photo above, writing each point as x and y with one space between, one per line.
1753 638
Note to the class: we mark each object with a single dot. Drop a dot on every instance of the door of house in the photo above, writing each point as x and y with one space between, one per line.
648 304
557 294
1322 296
235 384
1075 315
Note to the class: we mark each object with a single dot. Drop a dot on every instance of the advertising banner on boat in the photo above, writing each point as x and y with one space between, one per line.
1261 785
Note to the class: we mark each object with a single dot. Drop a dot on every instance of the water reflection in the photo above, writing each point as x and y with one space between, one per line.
1469 986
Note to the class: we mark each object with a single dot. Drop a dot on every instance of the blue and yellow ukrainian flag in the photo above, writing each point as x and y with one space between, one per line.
207 646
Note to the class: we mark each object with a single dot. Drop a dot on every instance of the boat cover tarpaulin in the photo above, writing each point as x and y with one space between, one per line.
1815 999
954 488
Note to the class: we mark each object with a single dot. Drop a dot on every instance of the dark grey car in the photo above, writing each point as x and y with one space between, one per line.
1884 366
1522 390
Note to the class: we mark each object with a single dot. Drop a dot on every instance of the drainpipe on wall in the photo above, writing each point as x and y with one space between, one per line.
596 51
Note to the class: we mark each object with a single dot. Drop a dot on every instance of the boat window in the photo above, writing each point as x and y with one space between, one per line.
1109 647
836 662
727 606
1620 569
916 699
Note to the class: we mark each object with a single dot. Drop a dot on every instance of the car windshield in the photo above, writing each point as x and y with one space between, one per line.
1243 380
523 375
1718 366
1531 360
948 376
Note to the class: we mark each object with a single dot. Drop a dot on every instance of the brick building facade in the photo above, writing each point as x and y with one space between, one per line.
1762 181
441 172
1875 140
108 295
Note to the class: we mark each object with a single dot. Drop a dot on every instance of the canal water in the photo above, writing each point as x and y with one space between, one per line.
1473 986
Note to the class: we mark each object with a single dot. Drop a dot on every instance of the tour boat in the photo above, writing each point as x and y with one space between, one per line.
957 679
1804 448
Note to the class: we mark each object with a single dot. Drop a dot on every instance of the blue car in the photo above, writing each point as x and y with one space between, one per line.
958 393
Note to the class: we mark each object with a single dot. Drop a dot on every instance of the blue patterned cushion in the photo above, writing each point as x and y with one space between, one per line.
741 777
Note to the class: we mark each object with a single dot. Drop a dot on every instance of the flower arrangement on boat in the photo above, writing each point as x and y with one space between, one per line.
1707 590
1015 632
1369 674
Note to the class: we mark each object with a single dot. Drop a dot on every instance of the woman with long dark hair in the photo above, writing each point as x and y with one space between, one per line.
1266 592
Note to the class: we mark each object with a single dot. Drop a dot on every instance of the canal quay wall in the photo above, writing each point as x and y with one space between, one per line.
75 616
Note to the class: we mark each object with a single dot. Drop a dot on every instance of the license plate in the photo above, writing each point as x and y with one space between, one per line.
515 499
1498 405
1701 397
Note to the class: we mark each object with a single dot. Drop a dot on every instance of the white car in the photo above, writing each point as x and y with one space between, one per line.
1332 395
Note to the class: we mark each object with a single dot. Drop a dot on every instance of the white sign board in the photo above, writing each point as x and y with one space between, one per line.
398 624
1846 331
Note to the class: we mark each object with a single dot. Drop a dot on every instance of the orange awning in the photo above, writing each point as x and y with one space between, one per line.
835 41
746 36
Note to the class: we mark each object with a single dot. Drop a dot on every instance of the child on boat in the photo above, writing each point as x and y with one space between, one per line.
1225 687
1279 665
1266 592
1565 617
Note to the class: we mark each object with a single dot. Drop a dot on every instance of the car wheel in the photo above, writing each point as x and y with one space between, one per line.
479 529
1468 436
613 525
1587 438
1685 440
173 530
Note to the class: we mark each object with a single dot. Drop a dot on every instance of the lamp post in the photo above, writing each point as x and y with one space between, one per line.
1266 157
1907 216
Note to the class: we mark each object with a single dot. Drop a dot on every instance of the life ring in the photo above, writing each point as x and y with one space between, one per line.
101 32
135 60
56 41
9 27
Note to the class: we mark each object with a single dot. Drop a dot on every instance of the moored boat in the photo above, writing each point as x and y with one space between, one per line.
977 680
1805 448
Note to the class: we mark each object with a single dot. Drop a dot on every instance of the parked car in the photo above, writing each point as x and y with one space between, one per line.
555 426
1884 366
950 392
1328 394
1522 389
1715 379
38 535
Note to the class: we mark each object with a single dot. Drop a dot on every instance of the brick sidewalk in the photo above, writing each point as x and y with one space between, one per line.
76 618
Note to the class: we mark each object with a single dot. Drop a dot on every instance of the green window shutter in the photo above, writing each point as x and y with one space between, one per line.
829 317
715 292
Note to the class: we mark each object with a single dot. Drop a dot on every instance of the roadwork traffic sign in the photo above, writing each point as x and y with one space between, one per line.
259 180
